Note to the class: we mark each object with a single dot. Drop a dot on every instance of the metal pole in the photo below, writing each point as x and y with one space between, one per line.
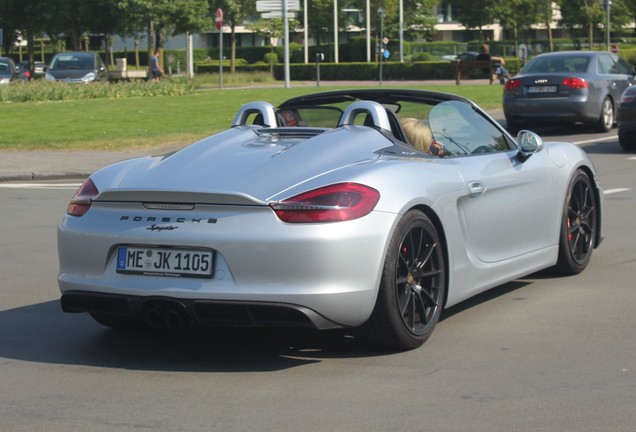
335 30
306 33
368 31
401 31
286 32
608 6
221 57
381 13
189 60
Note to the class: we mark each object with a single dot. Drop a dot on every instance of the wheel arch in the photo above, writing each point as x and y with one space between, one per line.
597 195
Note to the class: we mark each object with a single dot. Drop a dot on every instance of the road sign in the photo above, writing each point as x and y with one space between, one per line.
386 53
276 5
277 14
218 18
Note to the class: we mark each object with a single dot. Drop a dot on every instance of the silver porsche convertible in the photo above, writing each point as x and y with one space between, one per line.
372 209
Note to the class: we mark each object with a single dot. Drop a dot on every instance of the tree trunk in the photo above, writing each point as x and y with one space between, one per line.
233 58
31 51
548 25
151 40
160 42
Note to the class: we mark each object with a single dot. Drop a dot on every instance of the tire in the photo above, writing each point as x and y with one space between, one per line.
627 141
606 118
412 288
578 226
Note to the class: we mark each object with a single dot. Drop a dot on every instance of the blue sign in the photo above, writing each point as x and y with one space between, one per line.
1 40
386 53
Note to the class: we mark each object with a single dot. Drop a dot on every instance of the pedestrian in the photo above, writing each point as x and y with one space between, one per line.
155 67
498 62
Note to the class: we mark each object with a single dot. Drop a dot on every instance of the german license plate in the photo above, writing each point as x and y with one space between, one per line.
542 89
172 262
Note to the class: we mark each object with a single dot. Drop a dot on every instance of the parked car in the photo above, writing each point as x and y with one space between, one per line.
77 67
8 70
467 55
567 87
321 213
25 70
626 116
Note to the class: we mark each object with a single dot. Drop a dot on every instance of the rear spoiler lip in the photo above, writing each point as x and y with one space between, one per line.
177 197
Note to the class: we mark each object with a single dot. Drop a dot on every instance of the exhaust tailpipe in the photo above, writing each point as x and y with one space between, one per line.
170 315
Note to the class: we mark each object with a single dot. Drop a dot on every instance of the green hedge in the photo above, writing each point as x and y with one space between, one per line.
394 71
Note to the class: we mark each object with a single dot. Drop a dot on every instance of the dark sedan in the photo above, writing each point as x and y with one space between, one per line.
77 67
567 87
626 117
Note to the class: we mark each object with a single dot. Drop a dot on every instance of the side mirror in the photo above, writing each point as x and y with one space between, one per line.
529 144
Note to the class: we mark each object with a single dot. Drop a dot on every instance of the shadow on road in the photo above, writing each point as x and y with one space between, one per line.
42 333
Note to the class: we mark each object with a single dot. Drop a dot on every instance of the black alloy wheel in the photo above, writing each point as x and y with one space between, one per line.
578 226
413 285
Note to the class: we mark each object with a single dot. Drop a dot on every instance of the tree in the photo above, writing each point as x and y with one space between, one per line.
475 14
517 15
24 17
235 12
166 17
587 14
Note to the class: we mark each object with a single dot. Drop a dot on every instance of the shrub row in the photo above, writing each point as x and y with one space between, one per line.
41 90
431 70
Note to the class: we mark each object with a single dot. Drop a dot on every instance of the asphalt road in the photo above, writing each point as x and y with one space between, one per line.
537 354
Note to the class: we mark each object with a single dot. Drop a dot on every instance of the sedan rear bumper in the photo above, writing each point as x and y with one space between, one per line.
551 110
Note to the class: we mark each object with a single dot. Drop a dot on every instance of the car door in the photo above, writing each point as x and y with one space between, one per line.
619 75
508 208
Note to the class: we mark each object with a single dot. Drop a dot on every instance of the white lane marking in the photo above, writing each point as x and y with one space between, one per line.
613 191
631 158
609 138
63 186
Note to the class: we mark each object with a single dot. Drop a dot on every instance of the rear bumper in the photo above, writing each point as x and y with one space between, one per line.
156 311
556 110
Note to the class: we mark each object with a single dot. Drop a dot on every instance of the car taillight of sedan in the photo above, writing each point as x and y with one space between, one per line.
83 198
334 203
628 97
512 84
575 83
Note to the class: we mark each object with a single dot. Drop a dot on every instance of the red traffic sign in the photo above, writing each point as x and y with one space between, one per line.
614 48
218 18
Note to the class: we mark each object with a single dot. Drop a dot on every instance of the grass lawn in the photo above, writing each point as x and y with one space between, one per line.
155 121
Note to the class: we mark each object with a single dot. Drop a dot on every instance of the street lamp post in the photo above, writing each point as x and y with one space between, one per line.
381 45
608 5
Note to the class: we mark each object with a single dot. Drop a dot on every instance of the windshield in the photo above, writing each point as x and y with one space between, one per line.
71 61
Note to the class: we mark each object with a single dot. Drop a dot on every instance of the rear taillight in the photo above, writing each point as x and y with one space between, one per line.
575 83
628 97
334 203
512 84
83 198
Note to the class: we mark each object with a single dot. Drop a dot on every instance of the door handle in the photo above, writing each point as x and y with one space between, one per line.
475 189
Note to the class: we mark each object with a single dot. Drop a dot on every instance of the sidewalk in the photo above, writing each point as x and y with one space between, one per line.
63 164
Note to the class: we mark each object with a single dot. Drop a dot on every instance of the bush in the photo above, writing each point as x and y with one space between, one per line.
41 90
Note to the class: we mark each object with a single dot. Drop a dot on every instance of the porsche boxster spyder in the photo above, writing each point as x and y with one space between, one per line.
372 209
